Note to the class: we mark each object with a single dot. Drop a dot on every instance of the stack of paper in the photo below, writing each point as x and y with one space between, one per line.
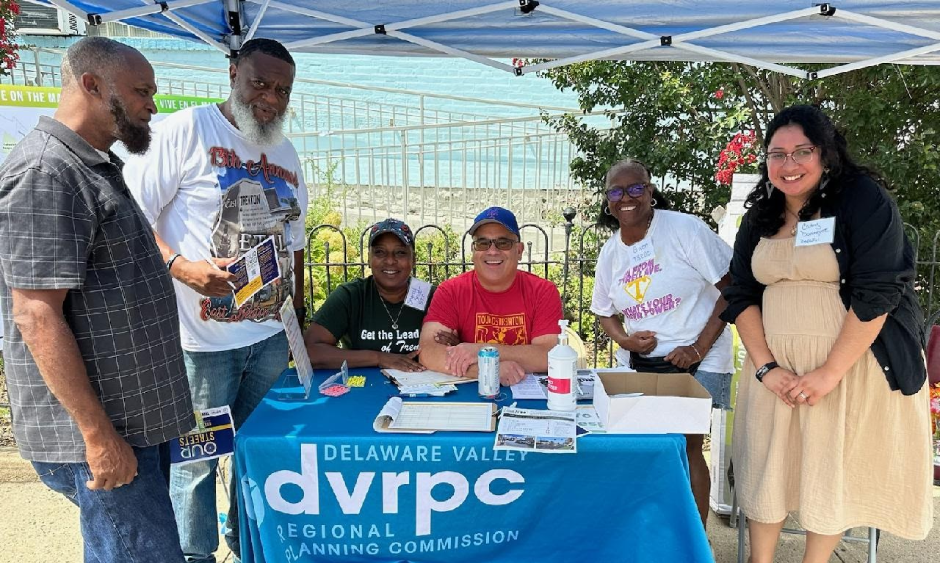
426 390
429 383
535 386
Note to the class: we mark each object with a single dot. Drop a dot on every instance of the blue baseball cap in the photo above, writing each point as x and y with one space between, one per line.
394 226
499 216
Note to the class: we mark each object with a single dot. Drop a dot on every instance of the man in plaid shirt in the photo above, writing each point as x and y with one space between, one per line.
93 357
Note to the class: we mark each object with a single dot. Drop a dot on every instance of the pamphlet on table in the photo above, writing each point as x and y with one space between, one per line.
541 431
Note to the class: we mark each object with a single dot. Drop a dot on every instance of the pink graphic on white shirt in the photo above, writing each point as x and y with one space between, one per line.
636 282
647 268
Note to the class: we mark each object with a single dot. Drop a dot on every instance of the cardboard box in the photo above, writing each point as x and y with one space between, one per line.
720 493
670 403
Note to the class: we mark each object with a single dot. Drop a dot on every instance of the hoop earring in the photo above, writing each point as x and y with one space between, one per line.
607 210
653 202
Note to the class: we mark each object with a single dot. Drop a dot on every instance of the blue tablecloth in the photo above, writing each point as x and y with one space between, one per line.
319 484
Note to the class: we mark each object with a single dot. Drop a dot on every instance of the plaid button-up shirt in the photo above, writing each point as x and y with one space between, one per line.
67 221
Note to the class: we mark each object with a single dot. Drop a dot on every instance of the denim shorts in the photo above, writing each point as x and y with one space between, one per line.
718 386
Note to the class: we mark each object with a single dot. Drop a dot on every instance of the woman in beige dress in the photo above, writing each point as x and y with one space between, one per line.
832 417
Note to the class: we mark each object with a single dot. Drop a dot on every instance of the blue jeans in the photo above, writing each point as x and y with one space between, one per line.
114 526
718 386
238 378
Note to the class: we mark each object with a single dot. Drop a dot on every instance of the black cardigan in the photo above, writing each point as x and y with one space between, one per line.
876 270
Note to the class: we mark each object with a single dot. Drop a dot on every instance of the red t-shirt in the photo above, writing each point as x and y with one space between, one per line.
530 308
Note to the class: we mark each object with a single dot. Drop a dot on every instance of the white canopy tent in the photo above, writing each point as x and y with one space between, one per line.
848 34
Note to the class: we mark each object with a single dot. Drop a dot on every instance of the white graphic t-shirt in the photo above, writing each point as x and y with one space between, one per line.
209 192
666 283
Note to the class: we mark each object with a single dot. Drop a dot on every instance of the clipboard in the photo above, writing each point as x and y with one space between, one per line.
429 417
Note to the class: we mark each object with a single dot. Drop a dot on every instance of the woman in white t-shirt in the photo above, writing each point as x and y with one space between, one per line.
657 294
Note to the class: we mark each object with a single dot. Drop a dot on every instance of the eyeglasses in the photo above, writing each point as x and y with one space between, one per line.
501 243
636 190
399 254
799 156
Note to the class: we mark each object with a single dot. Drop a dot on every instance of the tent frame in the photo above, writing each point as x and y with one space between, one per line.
683 42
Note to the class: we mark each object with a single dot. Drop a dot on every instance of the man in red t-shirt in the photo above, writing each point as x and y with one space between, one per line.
495 304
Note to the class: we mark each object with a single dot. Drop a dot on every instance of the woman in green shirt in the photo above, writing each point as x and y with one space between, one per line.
369 316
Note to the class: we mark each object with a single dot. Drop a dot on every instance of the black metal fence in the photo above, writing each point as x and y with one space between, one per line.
440 256
570 268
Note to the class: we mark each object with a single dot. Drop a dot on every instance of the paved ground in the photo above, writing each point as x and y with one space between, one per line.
39 526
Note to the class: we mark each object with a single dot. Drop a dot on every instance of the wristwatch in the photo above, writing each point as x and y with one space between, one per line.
762 371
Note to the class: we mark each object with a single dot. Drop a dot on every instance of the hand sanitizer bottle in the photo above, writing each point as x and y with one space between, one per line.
562 374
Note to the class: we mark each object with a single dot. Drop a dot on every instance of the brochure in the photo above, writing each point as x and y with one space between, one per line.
214 436
255 269
541 431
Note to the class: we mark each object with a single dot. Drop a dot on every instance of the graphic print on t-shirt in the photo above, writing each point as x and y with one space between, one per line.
258 200
636 283
500 329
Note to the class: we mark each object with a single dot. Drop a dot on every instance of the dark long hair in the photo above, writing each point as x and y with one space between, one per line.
610 221
833 154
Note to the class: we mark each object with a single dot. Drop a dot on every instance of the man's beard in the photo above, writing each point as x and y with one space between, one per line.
262 134
135 137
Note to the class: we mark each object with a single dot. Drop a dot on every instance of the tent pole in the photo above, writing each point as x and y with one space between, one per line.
233 9
257 21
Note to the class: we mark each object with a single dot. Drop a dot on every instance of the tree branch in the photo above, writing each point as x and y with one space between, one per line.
755 114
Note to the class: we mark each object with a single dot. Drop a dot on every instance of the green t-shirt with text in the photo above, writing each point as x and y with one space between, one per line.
355 316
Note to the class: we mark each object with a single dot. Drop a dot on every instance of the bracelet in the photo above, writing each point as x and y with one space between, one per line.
697 353
763 370
169 263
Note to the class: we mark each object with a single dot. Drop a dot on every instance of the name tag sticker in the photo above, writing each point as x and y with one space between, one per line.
820 231
642 252
418 292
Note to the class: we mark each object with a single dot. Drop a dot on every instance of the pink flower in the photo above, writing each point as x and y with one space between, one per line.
720 93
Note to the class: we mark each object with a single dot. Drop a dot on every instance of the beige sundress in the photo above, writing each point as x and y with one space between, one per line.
860 457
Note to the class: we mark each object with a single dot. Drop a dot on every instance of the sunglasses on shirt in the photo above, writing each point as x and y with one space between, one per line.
635 190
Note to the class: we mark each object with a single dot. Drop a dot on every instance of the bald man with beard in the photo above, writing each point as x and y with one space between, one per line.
218 180
93 357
